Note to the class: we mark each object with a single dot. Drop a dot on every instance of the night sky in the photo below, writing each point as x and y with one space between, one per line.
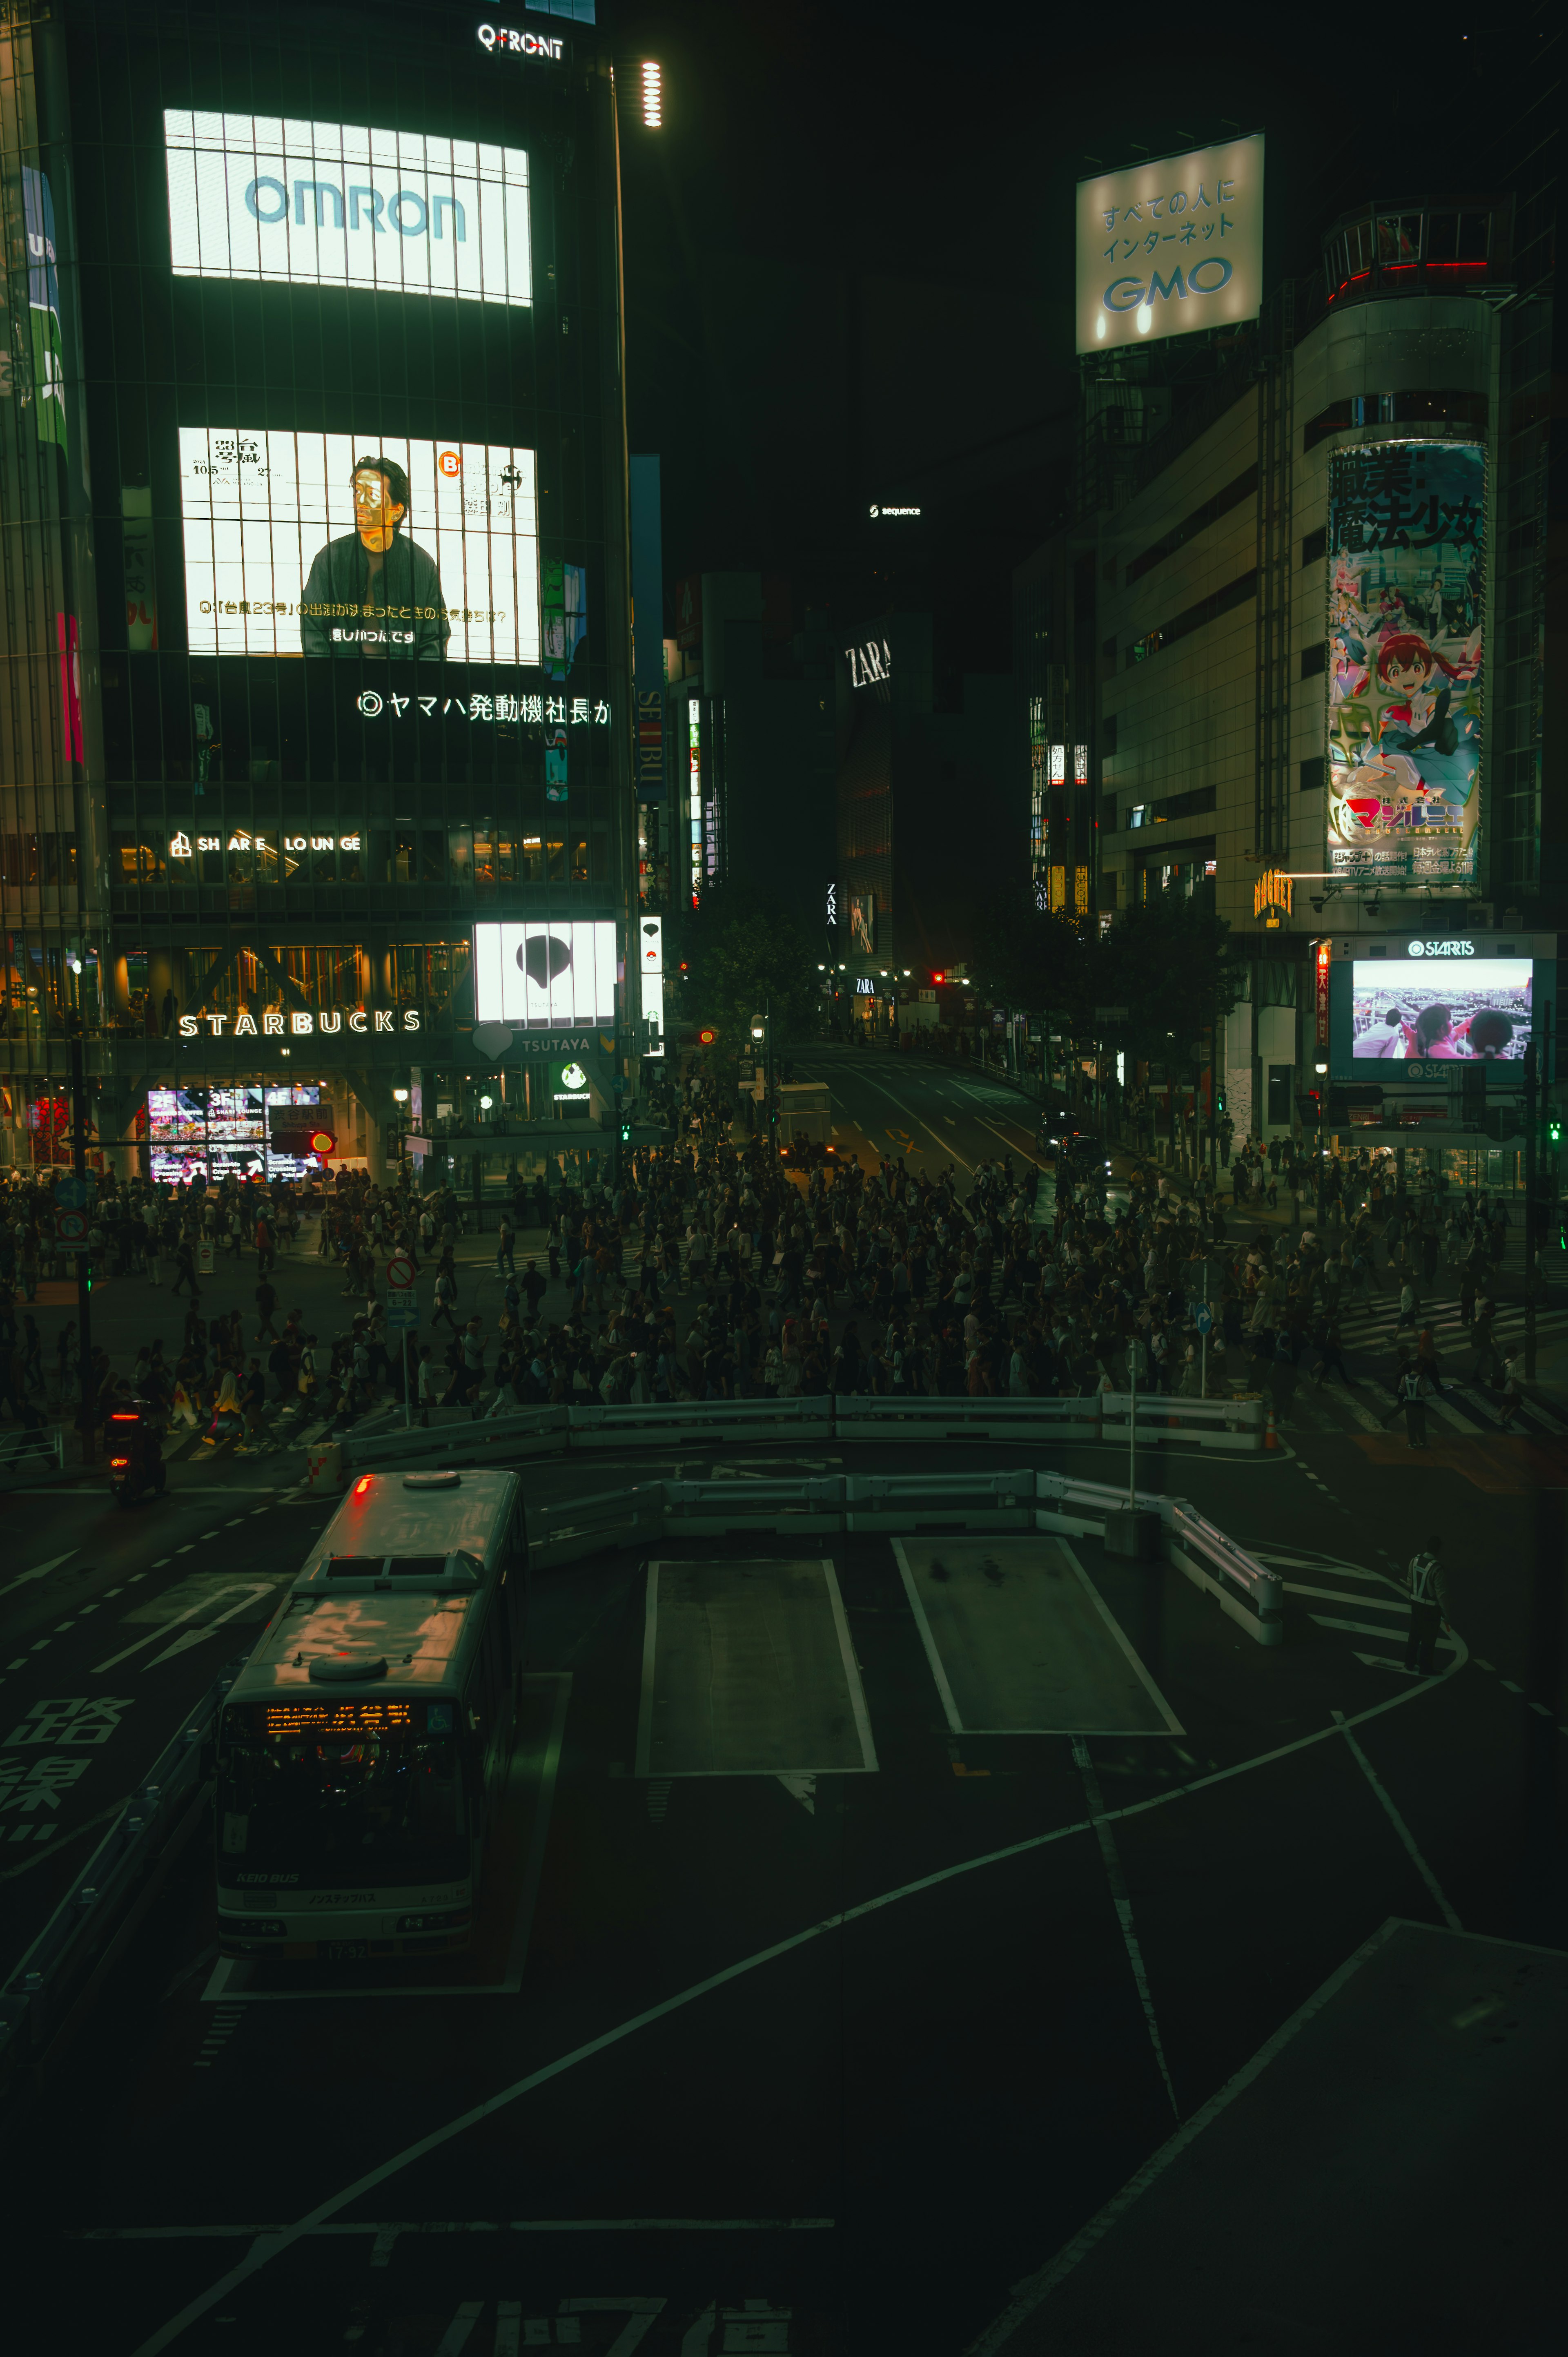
849 268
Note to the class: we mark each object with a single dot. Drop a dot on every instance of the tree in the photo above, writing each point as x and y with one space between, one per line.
744 955
1030 960
1167 962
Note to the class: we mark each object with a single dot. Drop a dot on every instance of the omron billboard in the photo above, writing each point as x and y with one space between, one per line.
1170 246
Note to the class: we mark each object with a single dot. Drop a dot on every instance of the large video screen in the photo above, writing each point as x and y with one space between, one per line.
1424 1019
334 204
546 976
332 544
205 1133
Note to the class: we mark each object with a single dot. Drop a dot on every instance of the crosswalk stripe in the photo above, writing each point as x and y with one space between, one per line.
1365 1629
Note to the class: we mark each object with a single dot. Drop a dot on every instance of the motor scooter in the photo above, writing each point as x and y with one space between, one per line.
136 1458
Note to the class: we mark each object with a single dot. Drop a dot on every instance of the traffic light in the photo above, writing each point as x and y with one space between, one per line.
1554 1130
625 1133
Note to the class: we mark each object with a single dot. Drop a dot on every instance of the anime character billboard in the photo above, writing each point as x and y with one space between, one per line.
1405 640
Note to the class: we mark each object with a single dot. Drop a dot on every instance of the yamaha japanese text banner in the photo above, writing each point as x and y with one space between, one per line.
1406 540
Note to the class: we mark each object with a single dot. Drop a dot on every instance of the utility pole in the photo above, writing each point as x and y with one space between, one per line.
83 1257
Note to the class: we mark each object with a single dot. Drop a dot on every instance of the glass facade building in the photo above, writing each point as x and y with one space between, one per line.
313 504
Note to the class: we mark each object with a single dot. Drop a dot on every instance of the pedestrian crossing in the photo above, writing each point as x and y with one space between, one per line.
1373 1608
1467 1405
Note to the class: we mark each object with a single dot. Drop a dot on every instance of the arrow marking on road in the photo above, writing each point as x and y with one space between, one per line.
252 1589
38 1572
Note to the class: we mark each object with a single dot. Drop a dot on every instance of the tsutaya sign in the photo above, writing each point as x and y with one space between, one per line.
300 1022
1170 246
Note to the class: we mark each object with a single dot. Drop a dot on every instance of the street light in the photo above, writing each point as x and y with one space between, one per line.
400 1097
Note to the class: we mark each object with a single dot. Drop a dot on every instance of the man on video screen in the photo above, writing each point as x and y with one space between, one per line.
375 591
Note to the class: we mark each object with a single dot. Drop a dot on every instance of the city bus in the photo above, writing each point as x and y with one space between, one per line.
362 1748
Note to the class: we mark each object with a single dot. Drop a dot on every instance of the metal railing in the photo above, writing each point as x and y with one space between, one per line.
1015 1499
107 1895
30 1455
847 1418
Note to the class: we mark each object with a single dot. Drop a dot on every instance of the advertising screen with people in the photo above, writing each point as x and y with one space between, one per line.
1426 1018
357 547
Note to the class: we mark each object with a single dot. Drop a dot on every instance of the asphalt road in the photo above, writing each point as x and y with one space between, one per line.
810 2063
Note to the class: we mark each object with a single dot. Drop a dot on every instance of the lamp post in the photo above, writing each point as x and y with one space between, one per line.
762 1037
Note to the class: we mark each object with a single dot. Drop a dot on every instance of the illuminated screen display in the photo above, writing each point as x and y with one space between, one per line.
338 1718
332 544
549 976
862 922
1406 644
205 1133
334 204
1422 1018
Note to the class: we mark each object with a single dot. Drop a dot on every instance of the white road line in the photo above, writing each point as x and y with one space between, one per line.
39 1571
1124 1906
949 1707
1398 1824
1337 1596
650 1646
175 1619
1173 1724
1035 2289
851 1668
267 2246
1367 1628
456 2337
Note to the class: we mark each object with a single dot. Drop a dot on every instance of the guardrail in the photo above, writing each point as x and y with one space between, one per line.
107 1897
750 1420
852 1418
1213 1423
31 1457
869 1417
843 1504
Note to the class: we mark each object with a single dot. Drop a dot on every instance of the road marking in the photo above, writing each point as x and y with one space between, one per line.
1398 1822
1035 2289
1337 1596
950 1707
1173 1724
1124 1906
252 1589
851 1668
39 1571
1366 1628
268 2245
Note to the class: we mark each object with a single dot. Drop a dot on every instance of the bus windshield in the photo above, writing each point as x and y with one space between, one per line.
303 1812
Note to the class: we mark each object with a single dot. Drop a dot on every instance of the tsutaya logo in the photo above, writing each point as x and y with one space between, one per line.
870 664
301 1022
1440 949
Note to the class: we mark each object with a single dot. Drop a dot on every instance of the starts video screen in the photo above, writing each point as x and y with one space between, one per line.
332 545
1477 1011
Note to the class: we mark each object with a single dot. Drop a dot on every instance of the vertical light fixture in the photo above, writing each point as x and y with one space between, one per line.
652 96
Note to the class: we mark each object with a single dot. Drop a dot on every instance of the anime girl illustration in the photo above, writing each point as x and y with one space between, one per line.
1417 725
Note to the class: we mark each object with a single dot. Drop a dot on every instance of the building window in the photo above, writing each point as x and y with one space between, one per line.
1137 815
1207 610
1108 736
1314 546
1190 526
1313 659
1311 775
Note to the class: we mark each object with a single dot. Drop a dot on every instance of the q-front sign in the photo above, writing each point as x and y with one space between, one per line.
1171 246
